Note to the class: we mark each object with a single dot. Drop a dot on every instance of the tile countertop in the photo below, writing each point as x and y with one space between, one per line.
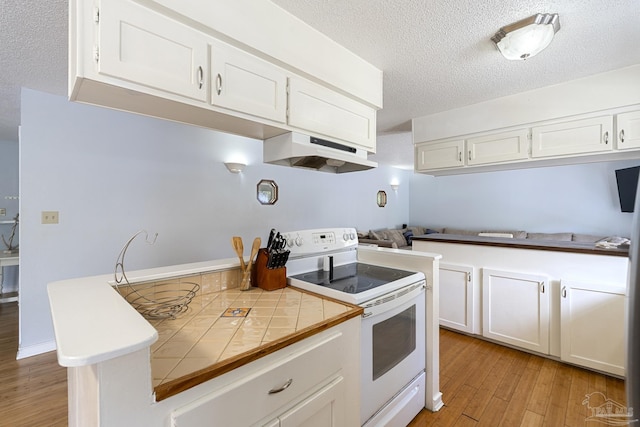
93 324
224 330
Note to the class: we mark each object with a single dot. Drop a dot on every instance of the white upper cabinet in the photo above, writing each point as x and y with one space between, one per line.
574 137
247 84
151 49
323 112
499 147
438 155
628 134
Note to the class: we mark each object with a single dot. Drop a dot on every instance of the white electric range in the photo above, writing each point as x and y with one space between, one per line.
326 261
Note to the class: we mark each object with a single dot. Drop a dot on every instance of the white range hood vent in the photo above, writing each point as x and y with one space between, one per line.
303 151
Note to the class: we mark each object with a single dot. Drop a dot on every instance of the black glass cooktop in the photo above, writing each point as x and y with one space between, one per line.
354 278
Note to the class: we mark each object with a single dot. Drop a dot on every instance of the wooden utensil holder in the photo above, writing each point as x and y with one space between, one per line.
266 278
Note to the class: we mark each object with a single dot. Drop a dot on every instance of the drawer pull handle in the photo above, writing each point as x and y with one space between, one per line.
622 135
470 155
200 77
564 292
542 287
606 137
459 156
283 388
219 84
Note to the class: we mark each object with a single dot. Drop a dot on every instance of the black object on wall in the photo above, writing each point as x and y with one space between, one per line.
627 180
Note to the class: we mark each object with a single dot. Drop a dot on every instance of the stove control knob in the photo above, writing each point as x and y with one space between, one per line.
345 237
299 241
290 241
353 236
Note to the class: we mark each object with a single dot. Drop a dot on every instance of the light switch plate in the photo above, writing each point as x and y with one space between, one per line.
50 217
3 211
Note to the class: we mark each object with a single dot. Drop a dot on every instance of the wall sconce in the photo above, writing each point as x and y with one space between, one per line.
528 37
235 167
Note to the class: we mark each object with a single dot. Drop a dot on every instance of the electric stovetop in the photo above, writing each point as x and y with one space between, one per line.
354 278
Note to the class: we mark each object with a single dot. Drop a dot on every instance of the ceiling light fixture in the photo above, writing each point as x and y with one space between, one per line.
235 167
528 37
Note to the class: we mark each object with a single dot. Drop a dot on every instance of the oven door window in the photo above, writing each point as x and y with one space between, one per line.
393 340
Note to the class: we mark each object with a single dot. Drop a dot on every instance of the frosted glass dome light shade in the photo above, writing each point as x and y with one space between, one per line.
527 38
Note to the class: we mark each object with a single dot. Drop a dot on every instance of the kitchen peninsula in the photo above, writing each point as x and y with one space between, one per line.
124 371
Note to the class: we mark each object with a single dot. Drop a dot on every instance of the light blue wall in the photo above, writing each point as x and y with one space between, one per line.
8 190
577 198
110 174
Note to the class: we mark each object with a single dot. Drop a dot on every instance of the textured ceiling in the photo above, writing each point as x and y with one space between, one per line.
435 54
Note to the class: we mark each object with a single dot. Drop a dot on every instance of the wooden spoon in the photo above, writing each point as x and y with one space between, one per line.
236 242
244 285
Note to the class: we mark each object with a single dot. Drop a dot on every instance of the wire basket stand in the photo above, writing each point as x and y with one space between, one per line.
153 300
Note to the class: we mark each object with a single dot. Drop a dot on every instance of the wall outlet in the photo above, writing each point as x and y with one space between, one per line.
3 211
49 217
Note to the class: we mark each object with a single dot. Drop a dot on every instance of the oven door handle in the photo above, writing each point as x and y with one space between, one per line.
390 301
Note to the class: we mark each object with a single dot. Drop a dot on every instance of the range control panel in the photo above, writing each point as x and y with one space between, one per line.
316 241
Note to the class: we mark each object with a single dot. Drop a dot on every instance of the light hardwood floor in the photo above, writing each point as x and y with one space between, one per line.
33 391
483 384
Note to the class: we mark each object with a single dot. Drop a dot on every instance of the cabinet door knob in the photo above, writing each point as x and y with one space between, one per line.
219 84
622 135
200 77
606 137
283 388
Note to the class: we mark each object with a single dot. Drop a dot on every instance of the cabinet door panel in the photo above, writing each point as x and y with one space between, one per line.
628 130
245 83
322 409
438 155
575 137
456 297
316 109
151 50
496 148
516 309
592 326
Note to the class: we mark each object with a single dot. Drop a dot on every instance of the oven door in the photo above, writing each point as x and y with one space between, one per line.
393 328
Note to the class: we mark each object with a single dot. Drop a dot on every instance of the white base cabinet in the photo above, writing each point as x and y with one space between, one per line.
307 385
456 297
592 325
516 309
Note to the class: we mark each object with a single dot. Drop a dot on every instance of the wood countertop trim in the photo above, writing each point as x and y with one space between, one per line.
171 388
543 245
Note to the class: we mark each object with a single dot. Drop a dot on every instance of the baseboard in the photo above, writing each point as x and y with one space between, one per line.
34 350
436 402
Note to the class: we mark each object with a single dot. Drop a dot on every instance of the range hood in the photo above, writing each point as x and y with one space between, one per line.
303 151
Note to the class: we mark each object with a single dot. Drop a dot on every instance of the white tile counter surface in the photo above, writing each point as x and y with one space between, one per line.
93 323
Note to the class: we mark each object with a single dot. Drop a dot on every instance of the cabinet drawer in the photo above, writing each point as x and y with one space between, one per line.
322 112
247 400
575 137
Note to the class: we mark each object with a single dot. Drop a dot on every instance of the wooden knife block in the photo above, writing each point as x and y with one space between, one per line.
265 278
